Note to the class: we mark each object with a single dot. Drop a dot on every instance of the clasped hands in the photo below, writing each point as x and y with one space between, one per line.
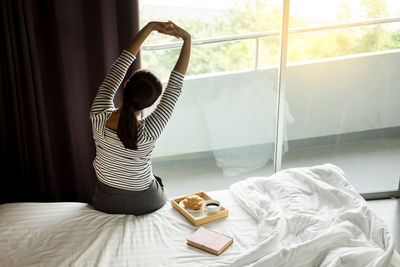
170 28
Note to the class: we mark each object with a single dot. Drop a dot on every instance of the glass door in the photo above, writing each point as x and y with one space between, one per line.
343 91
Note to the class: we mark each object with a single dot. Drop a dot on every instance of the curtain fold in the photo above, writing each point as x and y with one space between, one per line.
54 55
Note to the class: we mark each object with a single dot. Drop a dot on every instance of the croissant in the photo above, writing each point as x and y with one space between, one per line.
193 202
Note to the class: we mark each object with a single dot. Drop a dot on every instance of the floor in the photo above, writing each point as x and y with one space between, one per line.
370 165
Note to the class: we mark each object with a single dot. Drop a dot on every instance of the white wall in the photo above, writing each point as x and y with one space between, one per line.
325 97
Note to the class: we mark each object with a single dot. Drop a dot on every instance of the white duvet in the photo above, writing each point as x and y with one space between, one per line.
311 217
298 217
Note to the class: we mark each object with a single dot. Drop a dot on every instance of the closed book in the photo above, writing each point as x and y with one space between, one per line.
209 240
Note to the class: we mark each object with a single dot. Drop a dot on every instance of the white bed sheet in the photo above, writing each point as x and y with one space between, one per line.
75 234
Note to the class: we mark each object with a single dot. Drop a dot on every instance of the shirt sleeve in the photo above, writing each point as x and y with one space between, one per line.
105 95
158 119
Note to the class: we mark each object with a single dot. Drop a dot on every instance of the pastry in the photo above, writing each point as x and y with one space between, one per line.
193 202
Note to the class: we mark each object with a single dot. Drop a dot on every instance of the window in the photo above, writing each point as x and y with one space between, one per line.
340 95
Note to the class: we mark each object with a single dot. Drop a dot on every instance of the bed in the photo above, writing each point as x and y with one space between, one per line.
298 217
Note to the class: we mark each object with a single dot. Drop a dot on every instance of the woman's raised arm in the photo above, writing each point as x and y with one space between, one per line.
158 119
183 60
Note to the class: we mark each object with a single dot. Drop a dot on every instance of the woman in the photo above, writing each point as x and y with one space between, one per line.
124 141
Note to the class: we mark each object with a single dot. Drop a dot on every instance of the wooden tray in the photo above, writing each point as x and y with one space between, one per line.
195 219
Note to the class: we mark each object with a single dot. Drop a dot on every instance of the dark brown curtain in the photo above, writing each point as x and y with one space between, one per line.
54 55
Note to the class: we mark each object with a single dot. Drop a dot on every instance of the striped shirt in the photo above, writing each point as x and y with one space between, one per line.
115 165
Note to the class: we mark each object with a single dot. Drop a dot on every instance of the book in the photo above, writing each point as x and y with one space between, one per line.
209 240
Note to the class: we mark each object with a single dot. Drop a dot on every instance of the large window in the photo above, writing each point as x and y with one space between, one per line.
338 98
342 91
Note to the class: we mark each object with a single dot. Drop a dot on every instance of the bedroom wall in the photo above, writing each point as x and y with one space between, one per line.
324 97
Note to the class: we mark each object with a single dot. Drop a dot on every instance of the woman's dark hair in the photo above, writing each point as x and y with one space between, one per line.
141 91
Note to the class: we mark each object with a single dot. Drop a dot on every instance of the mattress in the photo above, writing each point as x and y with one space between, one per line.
272 220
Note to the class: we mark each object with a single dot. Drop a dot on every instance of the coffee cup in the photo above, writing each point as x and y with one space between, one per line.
212 206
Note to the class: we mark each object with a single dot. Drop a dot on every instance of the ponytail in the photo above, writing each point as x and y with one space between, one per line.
141 91
127 125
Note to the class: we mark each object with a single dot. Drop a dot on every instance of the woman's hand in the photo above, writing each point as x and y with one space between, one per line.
179 32
163 27
169 28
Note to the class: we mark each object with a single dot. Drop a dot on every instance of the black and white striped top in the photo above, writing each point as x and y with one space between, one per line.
115 165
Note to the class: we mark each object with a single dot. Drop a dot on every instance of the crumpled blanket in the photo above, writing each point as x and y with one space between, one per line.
311 217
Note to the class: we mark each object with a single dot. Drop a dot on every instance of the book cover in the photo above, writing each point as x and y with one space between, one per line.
209 240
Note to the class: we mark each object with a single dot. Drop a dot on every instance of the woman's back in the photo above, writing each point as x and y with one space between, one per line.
115 165
124 145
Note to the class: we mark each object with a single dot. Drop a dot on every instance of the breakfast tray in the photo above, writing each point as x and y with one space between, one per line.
198 219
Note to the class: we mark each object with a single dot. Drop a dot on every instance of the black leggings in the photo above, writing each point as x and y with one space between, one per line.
113 200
